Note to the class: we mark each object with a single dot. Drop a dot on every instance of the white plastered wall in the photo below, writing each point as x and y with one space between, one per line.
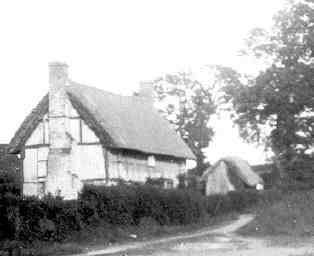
137 168
87 157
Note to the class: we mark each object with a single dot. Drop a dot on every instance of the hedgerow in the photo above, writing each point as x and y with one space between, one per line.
54 219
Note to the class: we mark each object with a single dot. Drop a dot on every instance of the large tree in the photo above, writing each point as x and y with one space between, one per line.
280 99
188 105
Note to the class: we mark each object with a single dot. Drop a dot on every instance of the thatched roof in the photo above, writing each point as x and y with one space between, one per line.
3 150
239 167
125 122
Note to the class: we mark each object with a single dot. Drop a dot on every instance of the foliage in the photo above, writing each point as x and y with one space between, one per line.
8 162
292 215
200 169
29 219
160 182
276 107
188 105
192 182
9 182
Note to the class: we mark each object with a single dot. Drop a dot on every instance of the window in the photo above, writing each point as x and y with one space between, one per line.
30 165
42 168
168 184
151 161
41 189
42 162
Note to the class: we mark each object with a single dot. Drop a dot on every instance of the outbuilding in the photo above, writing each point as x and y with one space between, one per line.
230 174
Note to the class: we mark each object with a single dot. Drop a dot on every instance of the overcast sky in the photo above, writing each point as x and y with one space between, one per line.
115 44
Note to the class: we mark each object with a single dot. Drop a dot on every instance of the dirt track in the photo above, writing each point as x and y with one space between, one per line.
220 241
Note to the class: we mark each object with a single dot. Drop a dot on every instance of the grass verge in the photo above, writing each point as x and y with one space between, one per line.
292 216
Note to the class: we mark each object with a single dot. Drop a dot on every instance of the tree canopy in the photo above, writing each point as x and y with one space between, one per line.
277 106
188 105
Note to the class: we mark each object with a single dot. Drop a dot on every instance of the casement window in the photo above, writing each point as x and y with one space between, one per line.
41 189
151 161
168 184
35 164
42 166
42 162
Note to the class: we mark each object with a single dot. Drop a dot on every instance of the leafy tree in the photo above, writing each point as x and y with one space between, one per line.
188 105
281 97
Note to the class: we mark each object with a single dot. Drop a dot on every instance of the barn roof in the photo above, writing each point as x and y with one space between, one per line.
241 168
126 122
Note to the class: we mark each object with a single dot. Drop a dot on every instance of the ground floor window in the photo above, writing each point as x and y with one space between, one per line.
41 189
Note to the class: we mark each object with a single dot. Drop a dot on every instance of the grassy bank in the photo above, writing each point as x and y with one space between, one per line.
293 215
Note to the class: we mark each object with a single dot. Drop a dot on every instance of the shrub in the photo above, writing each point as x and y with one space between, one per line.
114 204
150 202
60 218
159 182
53 219
9 182
238 201
192 182
292 215
183 207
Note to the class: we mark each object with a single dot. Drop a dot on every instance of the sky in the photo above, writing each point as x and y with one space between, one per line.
113 45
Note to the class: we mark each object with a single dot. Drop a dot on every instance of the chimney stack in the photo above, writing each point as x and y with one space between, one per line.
58 78
146 91
59 158
58 73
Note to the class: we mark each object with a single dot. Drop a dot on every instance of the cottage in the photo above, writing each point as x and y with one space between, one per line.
79 134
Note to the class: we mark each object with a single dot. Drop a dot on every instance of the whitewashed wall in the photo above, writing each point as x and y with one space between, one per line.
170 169
138 168
87 156
128 167
88 161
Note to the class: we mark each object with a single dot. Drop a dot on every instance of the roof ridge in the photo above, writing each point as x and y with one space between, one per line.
73 83
132 97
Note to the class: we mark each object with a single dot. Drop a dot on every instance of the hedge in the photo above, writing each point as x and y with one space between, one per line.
54 219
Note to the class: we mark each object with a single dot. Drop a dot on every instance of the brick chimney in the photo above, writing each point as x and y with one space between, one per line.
59 178
146 91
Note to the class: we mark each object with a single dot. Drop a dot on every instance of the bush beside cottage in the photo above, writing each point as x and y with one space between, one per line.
29 219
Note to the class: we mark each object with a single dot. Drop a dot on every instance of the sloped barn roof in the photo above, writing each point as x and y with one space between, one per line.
239 167
125 122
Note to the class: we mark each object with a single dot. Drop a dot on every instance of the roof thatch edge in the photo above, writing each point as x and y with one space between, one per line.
28 126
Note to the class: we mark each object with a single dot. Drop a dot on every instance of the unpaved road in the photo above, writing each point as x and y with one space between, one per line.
221 241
